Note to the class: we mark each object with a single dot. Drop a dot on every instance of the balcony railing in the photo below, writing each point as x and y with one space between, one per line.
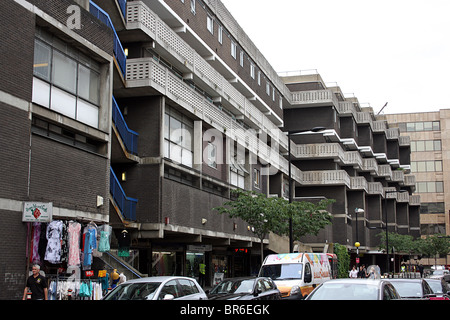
315 97
128 136
326 177
119 53
126 205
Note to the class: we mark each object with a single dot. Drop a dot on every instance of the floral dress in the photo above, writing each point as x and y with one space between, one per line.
54 235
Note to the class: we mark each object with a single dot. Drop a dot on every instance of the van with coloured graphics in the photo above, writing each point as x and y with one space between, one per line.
296 274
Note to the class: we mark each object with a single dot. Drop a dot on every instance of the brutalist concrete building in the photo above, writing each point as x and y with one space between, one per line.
144 115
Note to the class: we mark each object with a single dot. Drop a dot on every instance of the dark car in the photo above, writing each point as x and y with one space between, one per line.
440 288
248 288
412 288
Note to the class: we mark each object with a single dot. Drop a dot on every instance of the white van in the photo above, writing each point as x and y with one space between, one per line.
296 274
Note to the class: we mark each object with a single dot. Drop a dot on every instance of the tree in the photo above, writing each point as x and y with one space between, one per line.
343 259
267 215
259 211
307 218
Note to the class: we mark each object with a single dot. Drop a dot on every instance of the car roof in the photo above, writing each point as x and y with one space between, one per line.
358 281
158 279
405 280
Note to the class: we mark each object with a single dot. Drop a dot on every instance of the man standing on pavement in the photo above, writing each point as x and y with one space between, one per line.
37 284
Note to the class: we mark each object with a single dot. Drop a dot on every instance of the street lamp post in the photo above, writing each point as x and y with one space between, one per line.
357 244
386 225
291 133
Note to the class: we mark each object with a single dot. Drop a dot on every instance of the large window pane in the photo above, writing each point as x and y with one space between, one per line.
42 57
41 93
88 84
64 72
87 113
63 102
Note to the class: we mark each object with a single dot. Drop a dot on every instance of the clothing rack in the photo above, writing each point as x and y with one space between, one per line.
68 288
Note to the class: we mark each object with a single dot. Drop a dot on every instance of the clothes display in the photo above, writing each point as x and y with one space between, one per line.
69 247
65 289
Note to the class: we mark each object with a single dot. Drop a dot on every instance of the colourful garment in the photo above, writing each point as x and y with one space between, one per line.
74 243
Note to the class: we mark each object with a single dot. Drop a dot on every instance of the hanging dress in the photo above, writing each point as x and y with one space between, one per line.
74 244
54 234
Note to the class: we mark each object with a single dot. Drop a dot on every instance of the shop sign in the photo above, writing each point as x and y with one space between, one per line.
37 212
199 248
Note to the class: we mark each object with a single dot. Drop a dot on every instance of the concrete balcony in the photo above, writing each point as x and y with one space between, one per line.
326 178
414 200
375 188
314 98
359 183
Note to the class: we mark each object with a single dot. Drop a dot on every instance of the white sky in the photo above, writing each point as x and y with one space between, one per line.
395 51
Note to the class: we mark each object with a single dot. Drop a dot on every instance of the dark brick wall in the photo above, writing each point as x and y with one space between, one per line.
14 152
16 50
68 177
186 206
13 248
92 29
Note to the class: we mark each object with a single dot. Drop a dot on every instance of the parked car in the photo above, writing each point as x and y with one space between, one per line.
158 288
248 288
440 288
354 289
412 288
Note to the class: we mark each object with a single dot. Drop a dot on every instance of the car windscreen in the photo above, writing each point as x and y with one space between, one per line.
134 291
408 289
284 271
234 286
345 291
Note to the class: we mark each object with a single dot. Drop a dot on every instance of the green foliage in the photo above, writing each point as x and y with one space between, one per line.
272 214
343 260
432 245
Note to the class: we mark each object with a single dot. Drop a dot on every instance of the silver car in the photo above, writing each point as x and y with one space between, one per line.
354 289
158 288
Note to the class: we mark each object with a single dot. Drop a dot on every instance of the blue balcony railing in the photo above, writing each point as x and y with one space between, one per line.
126 205
119 53
123 8
128 136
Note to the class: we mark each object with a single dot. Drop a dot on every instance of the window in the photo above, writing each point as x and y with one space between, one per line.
256 178
268 88
259 78
426 166
420 126
212 155
178 132
210 24
220 34
252 70
426 145
432 207
193 6
241 58
430 186
170 287
188 287
233 49
65 80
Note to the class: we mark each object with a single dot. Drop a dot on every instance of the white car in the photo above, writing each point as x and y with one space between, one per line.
158 288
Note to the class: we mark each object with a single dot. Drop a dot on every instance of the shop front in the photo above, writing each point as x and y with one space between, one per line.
67 251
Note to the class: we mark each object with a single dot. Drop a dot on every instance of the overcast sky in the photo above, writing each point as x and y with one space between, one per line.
395 51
